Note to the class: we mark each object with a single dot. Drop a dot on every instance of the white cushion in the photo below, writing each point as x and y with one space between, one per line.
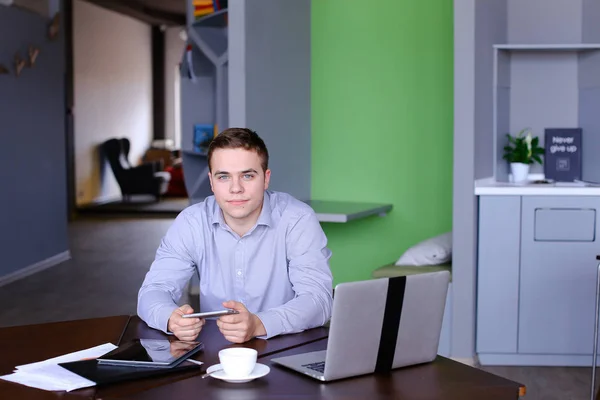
164 175
166 178
433 251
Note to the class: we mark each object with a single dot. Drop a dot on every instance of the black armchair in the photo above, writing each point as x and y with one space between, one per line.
143 179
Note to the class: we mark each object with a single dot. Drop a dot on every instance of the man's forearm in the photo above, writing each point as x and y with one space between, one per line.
172 268
259 328
155 307
301 313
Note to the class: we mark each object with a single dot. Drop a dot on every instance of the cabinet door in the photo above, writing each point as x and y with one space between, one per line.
498 274
558 274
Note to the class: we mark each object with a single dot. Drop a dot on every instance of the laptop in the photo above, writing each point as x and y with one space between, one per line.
378 325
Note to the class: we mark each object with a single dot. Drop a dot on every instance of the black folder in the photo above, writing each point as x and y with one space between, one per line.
106 374
155 356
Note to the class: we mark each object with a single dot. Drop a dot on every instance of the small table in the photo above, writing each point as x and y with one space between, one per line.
345 211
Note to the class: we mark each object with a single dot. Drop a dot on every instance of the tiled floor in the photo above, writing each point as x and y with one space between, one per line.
109 261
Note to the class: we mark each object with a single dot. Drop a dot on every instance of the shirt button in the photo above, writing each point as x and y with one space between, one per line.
239 273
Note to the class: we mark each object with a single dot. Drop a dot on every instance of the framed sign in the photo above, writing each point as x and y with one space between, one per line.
562 154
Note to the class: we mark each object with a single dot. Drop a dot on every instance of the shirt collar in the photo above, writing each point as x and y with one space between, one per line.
217 216
265 214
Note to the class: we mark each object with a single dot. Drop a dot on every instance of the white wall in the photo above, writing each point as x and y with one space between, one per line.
113 94
174 48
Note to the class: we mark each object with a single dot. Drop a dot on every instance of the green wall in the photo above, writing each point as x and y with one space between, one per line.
382 106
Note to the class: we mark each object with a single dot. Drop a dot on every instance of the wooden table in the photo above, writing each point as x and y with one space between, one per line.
442 378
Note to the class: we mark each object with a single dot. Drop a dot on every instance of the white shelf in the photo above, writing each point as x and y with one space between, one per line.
489 187
540 86
548 47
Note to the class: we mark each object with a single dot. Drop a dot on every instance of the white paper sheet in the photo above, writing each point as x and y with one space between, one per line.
32 380
48 375
91 353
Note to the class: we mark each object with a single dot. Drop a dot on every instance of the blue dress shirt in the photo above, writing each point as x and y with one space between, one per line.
279 269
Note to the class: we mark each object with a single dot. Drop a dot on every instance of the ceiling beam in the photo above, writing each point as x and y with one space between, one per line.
138 10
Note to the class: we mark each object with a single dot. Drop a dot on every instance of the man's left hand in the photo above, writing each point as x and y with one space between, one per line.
239 328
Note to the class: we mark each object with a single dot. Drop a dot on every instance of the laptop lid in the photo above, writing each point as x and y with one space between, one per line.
385 323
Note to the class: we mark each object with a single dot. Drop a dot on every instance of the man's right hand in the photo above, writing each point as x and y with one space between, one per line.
185 328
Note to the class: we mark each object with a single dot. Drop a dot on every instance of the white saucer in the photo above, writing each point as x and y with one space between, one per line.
258 371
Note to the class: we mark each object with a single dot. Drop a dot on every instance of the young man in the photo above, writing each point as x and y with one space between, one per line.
259 252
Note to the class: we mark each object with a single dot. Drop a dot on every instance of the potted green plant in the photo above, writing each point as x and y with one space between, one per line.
521 151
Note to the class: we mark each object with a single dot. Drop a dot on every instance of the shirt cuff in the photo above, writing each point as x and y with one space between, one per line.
162 318
272 323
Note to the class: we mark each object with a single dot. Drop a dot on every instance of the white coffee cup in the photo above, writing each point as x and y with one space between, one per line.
238 362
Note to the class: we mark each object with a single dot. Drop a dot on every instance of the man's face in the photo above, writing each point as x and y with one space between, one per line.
238 183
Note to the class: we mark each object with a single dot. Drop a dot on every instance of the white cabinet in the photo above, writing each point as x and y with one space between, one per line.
558 275
498 274
536 279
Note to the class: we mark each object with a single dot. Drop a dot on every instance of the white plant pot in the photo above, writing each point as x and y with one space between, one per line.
519 172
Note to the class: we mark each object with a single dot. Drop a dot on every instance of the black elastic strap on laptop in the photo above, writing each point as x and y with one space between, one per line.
391 323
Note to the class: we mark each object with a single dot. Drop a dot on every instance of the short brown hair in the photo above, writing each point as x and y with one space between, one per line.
240 138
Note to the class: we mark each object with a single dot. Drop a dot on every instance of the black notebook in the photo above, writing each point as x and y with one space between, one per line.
141 358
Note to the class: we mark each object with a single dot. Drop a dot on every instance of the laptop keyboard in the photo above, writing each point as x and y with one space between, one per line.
318 366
